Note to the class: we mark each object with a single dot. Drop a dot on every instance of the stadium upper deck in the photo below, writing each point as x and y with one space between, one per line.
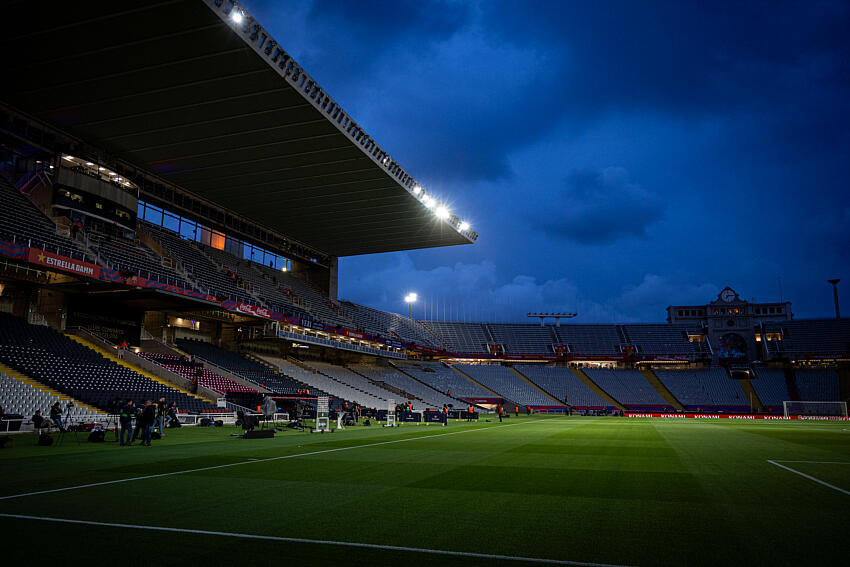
198 94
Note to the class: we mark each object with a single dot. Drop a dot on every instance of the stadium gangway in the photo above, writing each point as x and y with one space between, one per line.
340 345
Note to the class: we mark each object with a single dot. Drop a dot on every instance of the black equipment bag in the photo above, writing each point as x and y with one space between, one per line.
45 440
98 436
219 423
155 435
205 422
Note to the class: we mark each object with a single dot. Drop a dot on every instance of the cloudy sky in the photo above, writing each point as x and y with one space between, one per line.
615 157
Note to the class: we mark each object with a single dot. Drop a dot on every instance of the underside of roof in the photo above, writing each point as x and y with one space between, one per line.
218 108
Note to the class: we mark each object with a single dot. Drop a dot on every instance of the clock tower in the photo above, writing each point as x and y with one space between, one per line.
730 324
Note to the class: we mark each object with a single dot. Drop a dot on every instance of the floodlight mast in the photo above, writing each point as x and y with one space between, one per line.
556 316
835 296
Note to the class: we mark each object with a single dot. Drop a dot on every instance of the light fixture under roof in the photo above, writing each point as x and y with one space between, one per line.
442 213
236 16
417 189
429 202
464 226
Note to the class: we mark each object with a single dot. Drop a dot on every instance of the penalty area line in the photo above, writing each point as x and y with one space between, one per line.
283 539
254 461
810 477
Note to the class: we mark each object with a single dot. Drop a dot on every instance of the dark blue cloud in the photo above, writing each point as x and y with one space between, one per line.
598 207
610 155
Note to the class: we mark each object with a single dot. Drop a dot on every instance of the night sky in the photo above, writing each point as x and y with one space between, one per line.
615 157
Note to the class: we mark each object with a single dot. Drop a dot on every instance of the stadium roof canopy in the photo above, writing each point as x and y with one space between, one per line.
198 93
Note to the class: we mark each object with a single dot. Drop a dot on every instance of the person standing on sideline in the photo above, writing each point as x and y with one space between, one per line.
160 415
470 411
501 411
147 420
445 413
125 419
516 411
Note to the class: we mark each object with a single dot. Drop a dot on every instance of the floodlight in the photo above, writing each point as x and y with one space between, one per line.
417 189
464 226
89 163
429 202
411 297
236 16
442 213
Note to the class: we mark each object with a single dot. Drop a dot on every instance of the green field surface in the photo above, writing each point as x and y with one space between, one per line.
572 490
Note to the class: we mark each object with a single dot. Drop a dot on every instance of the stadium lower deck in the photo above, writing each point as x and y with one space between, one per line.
550 489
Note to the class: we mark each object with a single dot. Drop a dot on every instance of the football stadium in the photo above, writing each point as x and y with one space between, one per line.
175 195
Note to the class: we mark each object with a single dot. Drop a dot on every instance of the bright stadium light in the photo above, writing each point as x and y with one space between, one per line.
464 225
442 213
410 298
236 16
417 189
429 202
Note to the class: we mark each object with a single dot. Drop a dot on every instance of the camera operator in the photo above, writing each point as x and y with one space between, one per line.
172 416
125 418
56 417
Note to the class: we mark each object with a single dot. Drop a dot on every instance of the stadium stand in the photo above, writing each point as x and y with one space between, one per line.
194 370
628 387
704 388
659 339
561 383
819 385
460 337
589 339
317 380
525 338
45 355
388 324
427 396
811 337
20 397
771 387
241 366
203 273
22 222
444 379
127 256
510 386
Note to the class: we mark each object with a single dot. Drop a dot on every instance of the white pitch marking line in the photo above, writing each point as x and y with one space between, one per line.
281 457
816 462
810 477
316 541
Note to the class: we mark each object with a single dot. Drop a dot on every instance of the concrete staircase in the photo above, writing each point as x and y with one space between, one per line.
593 386
662 390
137 369
535 386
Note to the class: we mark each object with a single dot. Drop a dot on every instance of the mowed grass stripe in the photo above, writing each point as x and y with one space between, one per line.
265 460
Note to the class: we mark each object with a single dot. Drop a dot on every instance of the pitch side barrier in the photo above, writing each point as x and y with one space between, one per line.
739 416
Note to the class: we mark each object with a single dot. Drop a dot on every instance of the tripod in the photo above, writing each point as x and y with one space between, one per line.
66 422
111 421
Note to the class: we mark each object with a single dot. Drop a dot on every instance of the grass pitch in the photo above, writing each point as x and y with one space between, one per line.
571 489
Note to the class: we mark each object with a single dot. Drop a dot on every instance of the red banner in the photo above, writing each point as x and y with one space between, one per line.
57 262
738 416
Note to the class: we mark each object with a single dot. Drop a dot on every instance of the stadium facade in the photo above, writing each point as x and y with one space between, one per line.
174 181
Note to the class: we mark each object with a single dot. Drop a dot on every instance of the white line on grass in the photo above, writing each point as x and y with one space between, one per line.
253 461
815 462
317 541
810 477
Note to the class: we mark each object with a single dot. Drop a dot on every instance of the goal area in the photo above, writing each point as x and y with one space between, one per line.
818 408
